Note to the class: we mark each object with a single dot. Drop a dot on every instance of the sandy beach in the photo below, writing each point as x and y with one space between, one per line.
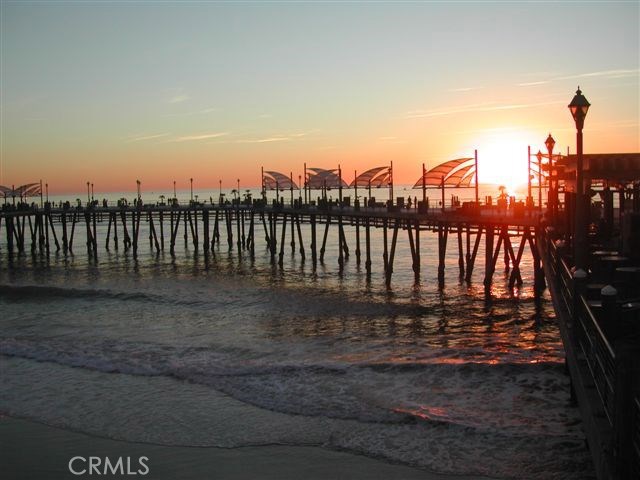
30 450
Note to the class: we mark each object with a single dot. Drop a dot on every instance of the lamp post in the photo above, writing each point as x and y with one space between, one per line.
539 157
174 191
220 191
88 193
138 183
552 199
92 192
529 176
191 188
579 107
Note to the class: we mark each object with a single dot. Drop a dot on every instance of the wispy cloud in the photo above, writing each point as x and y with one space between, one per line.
140 138
267 140
531 84
464 89
603 73
202 111
478 107
280 137
617 73
179 98
195 138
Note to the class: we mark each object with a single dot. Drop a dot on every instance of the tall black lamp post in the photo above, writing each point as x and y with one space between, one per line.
553 196
579 107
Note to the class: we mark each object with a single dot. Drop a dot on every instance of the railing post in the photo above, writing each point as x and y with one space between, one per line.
627 372
579 288
609 296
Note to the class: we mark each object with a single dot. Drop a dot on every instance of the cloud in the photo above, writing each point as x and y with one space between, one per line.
619 73
477 107
204 136
146 137
464 89
531 84
280 138
603 73
179 98
203 111
267 140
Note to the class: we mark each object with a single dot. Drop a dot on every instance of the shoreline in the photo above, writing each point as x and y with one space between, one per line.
29 449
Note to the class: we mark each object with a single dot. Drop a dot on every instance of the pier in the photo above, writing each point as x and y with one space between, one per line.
241 227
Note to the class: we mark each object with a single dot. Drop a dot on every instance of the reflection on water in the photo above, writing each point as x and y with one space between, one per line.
231 351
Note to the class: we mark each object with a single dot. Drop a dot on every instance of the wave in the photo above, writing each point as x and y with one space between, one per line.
295 301
160 410
378 392
46 293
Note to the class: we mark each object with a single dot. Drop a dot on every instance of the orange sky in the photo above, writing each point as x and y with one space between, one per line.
162 94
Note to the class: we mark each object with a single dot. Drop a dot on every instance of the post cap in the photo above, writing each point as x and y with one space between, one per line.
608 291
579 274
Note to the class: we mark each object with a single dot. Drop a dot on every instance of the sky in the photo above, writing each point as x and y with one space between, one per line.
111 92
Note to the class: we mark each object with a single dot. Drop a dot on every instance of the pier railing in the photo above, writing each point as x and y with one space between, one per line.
610 366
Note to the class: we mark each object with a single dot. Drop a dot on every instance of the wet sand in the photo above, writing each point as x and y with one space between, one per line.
30 450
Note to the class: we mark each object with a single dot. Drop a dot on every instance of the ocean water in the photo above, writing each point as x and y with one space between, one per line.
232 352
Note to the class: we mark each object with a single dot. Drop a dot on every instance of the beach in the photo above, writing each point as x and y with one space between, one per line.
31 450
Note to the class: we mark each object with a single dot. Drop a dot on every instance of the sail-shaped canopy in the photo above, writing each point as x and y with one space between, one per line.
273 180
455 178
27 190
382 180
465 182
374 177
435 176
320 178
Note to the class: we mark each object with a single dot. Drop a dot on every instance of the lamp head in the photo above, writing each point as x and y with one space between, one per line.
550 143
579 107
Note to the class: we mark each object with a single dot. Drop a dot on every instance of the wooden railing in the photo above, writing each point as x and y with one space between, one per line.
613 367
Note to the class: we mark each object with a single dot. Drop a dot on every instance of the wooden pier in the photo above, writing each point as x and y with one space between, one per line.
210 228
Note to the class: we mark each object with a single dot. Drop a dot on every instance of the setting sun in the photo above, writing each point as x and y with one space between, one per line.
502 154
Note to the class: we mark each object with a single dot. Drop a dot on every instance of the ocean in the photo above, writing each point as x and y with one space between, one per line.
230 352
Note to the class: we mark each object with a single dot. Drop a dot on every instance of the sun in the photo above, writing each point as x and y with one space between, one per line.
502 158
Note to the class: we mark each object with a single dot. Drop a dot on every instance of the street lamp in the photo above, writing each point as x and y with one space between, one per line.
174 191
138 183
191 183
539 157
579 107
88 193
553 196
220 191
92 192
